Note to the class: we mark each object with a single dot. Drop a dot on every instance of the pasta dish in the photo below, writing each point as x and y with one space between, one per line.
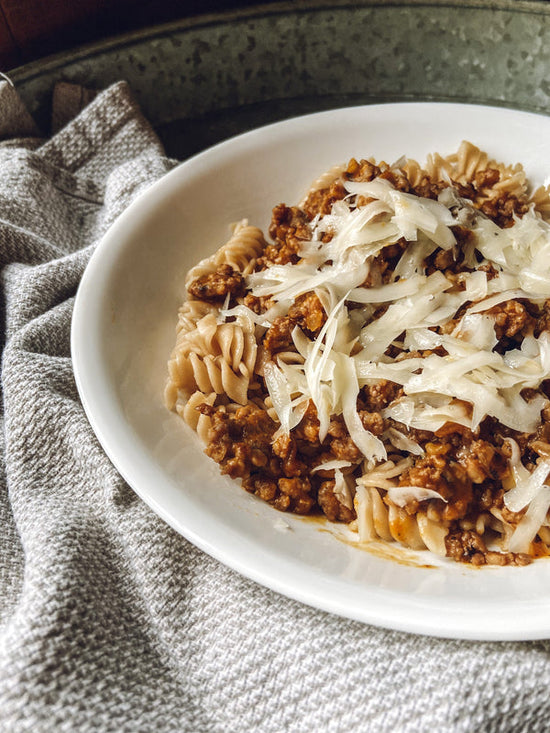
382 356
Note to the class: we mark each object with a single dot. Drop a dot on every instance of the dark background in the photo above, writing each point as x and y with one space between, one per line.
30 29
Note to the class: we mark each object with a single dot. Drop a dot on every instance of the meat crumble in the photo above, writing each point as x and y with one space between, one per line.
215 286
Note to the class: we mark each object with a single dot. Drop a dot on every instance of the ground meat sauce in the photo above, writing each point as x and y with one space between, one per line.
306 312
467 469
289 228
511 319
216 286
280 471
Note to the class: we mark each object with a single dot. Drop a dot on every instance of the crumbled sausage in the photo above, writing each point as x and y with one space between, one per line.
428 189
481 460
469 547
278 336
372 421
486 178
436 470
364 170
286 449
344 449
503 207
294 487
306 312
289 228
237 439
543 319
511 318
264 488
297 492
321 201
466 546
341 445
398 180
215 286
428 470
308 427
376 397
258 304
331 506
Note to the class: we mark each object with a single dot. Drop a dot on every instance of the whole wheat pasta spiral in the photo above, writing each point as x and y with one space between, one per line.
187 409
541 201
324 181
215 357
190 313
240 251
377 520
414 171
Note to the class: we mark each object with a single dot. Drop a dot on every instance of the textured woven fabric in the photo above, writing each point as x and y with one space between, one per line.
109 620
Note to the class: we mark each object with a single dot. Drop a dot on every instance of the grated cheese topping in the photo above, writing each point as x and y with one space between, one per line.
401 495
444 330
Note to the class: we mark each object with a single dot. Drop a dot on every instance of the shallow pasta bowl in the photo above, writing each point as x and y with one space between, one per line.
123 333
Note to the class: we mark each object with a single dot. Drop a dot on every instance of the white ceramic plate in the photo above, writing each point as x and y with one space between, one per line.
123 332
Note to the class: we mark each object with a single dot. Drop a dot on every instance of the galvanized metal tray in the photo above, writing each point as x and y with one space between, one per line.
206 78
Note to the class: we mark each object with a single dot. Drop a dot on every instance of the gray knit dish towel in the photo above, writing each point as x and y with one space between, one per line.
111 621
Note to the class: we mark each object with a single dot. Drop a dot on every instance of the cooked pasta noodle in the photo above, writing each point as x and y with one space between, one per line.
187 409
214 357
240 252
324 181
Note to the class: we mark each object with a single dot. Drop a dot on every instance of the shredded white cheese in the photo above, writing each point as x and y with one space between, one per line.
531 521
530 490
401 495
342 489
330 465
452 376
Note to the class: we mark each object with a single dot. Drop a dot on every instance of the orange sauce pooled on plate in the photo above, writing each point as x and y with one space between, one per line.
383 550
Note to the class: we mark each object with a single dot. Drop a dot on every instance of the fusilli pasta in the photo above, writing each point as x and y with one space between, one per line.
240 252
215 357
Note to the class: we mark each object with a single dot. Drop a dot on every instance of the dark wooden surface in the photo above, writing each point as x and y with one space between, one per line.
30 29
